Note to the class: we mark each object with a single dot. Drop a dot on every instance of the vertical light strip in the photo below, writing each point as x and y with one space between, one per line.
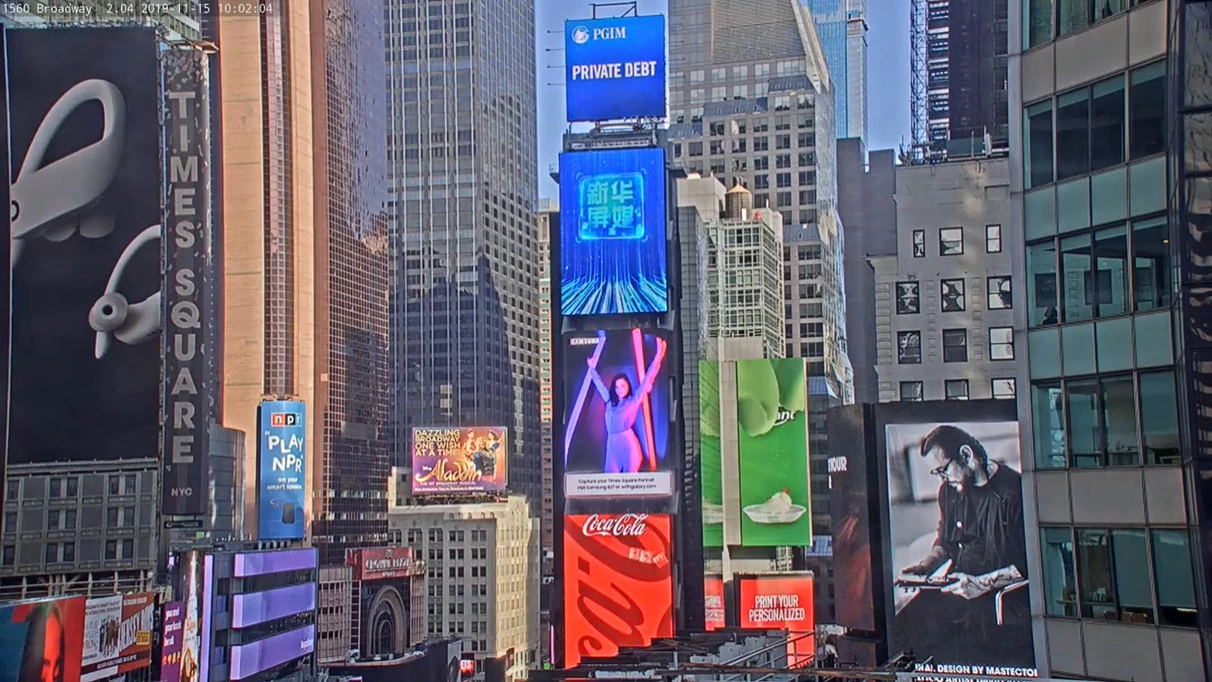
637 344
574 417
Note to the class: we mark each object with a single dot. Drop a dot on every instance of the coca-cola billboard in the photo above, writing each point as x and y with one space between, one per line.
618 583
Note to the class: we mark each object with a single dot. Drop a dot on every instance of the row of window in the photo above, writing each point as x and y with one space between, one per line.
1068 16
1100 273
1096 126
1129 575
785 67
952 299
740 126
1109 420
957 389
65 552
955 345
951 241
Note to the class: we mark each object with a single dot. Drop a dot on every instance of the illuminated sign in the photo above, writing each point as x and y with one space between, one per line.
612 232
283 463
379 563
618 583
615 68
117 635
459 460
780 602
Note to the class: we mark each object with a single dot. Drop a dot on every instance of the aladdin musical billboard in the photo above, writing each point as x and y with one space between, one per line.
618 583
780 602
459 460
616 408
38 634
117 635
958 574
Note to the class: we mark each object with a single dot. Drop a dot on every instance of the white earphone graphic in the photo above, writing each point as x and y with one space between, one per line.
131 323
48 201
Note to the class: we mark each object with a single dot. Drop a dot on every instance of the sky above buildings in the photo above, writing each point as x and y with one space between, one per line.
887 74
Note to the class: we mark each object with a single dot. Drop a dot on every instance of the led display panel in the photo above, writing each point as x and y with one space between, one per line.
615 68
612 232
617 402
282 472
117 635
618 583
35 633
958 575
780 602
459 460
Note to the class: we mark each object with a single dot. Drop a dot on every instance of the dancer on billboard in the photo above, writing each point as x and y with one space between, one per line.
623 451
42 660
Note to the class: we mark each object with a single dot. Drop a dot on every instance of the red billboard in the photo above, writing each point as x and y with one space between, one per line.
459 460
618 583
117 635
47 636
713 601
780 602
380 563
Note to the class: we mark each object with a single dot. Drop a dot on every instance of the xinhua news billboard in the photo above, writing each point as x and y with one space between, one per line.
615 68
618 568
282 470
612 232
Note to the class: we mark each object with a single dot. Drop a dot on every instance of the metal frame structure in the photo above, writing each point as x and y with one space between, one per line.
919 104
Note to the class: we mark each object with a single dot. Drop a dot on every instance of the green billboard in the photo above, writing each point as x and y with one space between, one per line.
710 472
772 449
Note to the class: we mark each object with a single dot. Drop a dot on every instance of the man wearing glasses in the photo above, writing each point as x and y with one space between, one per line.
969 582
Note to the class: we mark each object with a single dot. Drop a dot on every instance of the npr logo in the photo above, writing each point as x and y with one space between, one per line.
285 419
287 463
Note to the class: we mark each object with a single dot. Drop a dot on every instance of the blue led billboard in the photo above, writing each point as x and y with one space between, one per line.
612 232
615 68
282 470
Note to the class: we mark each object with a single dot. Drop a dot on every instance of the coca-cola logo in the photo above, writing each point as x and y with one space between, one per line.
624 525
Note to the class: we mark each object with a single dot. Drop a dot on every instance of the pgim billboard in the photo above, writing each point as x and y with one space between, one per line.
84 130
957 575
617 582
615 68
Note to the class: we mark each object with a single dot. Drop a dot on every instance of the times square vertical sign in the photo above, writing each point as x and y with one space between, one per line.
187 225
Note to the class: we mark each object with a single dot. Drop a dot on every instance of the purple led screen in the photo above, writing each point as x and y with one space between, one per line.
250 659
170 655
208 601
258 607
262 563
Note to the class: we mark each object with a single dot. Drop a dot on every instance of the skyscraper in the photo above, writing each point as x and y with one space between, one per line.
304 252
751 101
351 267
462 178
841 26
958 73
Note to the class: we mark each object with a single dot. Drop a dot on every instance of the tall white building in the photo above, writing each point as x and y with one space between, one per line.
751 101
482 578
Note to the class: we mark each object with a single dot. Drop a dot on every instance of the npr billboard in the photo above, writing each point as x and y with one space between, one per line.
615 68
282 469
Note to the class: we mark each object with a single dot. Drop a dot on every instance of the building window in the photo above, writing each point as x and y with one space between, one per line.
8 556
993 239
1037 17
1041 284
1072 134
1001 343
52 552
1101 422
998 292
919 243
1074 15
951 241
955 345
1002 389
1172 575
1060 586
1113 575
909 348
911 391
1159 417
1038 155
951 295
1151 264
908 298
1078 278
1147 109
956 389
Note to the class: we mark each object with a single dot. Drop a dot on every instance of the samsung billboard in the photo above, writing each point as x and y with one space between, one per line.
282 470
615 68
612 233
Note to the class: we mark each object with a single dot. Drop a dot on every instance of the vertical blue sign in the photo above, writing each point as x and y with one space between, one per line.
615 68
282 470
612 232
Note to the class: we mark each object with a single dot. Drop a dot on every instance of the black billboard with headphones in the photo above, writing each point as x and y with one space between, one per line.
187 213
86 309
